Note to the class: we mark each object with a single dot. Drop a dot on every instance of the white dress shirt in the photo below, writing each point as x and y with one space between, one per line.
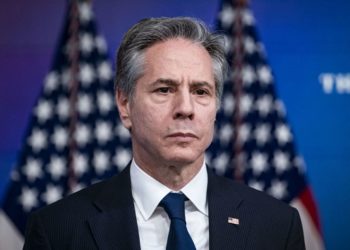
153 222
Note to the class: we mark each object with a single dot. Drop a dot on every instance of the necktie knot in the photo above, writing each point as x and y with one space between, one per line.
174 205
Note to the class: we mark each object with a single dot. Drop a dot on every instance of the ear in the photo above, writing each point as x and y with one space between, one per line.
123 104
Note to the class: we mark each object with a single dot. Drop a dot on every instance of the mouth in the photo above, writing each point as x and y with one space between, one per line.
183 137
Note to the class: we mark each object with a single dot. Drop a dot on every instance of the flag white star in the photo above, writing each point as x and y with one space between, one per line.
220 163
227 16
122 157
60 137
281 161
101 44
258 185
84 105
264 74
104 71
57 167
248 18
244 132
248 75
279 107
228 104
52 194
85 12
225 134
33 169
80 164
249 45
103 131
283 134
86 74
63 108
104 101
122 132
207 158
258 163
77 187
51 82
264 105
227 44
86 43
100 161
82 134
262 133
28 198
246 103
38 140
44 111
278 189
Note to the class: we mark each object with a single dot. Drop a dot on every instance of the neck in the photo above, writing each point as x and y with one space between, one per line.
175 175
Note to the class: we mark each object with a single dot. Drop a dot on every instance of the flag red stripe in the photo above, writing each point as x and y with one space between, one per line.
307 199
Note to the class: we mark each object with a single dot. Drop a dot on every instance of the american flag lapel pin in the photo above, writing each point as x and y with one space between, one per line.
234 221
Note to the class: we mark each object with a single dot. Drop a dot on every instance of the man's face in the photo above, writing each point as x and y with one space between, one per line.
173 109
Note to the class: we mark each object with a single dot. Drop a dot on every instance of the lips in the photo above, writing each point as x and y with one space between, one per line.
180 134
185 137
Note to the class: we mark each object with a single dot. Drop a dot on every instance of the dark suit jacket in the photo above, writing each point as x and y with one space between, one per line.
103 217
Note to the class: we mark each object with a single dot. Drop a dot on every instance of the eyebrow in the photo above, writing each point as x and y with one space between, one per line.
172 82
167 81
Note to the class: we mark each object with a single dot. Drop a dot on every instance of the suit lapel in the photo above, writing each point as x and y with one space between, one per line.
115 227
224 203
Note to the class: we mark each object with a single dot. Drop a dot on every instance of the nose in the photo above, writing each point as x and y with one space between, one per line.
183 105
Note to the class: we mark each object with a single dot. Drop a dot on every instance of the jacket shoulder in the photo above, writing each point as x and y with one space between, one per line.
85 203
269 223
251 197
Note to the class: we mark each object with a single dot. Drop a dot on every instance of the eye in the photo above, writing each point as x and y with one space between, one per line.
163 90
201 92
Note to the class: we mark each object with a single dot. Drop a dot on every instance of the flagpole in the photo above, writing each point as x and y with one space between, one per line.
73 54
237 60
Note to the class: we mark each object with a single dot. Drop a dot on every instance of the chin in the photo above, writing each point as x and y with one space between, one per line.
180 160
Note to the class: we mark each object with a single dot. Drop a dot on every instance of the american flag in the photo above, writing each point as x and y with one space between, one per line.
74 137
254 142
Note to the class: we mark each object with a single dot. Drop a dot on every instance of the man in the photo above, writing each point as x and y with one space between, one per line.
169 81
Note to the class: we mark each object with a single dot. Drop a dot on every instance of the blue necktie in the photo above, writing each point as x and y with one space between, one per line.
178 238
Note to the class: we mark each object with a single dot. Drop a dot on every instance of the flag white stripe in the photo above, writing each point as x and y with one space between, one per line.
313 239
10 238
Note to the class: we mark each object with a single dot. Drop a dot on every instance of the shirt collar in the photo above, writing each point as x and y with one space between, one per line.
196 190
143 185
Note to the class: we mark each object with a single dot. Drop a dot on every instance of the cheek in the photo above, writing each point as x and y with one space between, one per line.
209 118
207 125
146 119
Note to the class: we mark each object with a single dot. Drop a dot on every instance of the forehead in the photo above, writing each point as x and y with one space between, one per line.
179 56
177 46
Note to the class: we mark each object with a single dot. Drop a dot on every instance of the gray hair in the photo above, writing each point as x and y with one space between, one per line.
147 32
